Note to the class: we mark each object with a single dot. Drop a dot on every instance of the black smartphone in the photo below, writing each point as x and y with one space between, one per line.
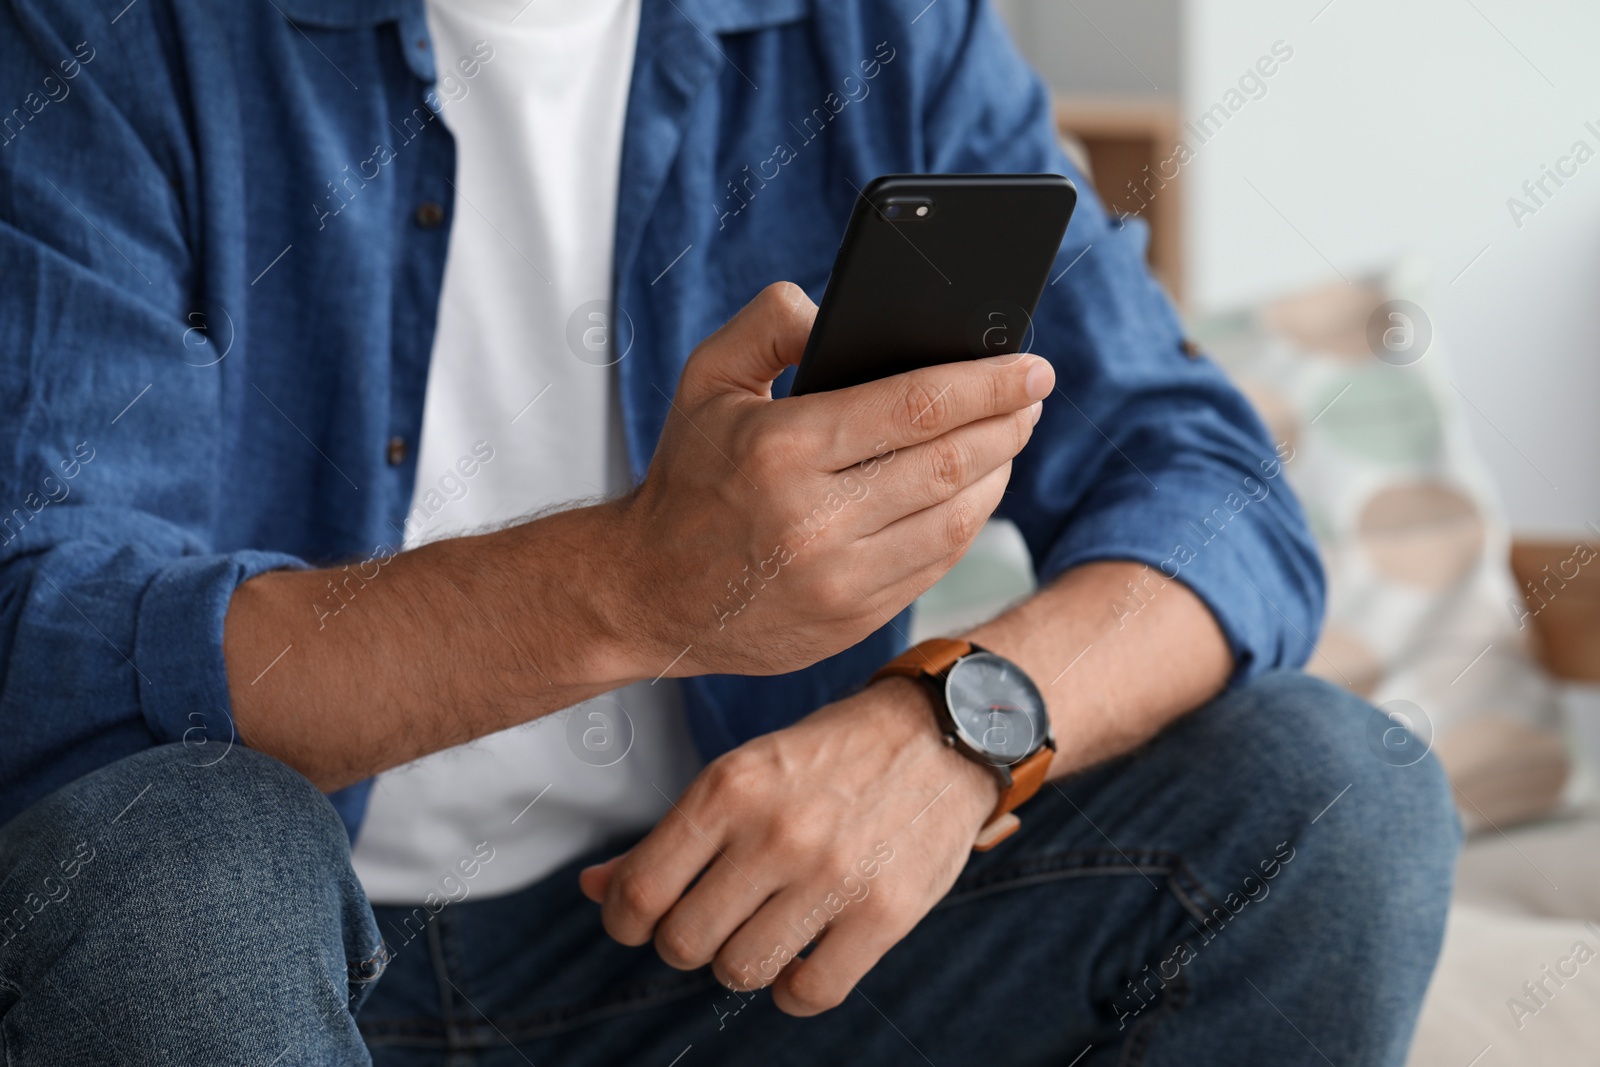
935 268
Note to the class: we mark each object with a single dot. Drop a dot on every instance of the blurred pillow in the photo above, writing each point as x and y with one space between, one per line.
1411 533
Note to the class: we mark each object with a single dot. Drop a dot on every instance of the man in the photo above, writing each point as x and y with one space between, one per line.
293 285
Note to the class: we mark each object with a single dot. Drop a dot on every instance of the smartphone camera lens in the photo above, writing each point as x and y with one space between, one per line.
906 209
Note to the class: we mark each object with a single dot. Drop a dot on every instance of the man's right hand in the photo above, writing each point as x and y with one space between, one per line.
765 536
769 534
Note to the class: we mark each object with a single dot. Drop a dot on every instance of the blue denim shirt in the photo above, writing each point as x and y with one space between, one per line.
218 294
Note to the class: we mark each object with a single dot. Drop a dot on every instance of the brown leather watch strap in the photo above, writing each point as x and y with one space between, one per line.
1027 778
931 657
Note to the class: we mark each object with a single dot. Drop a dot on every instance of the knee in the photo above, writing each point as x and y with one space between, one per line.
1346 781
176 793
218 888
181 827
1362 836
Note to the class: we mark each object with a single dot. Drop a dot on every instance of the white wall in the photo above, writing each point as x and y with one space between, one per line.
1100 46
1402 126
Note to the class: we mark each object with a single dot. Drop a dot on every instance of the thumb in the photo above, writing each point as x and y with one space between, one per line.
767 336
594 881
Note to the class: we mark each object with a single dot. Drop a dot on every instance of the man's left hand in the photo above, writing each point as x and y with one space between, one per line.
850 824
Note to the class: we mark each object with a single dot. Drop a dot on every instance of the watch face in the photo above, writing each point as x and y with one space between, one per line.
997 709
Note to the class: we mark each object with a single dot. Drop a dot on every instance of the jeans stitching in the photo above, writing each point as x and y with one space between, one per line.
1173 998
371 968
1191 894
1077 863
444 955
1172 868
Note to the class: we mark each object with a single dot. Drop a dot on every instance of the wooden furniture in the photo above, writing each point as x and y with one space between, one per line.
1132 149
1560 584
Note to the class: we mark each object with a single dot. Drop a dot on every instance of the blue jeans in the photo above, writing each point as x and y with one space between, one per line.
1261 884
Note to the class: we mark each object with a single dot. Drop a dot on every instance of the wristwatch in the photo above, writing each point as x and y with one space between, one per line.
991 712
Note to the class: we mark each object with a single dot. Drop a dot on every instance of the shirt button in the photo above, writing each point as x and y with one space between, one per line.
429 215
397 451
1189 348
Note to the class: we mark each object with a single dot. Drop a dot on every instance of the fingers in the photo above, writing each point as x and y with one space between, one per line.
906 557
648 881
920 405
931 473
754 956
594 881
935 537
850 948
852 932
699 924
754 347
889 602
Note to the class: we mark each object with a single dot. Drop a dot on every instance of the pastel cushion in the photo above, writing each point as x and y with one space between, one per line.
1422 611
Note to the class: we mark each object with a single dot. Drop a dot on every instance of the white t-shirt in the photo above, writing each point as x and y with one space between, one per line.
522 395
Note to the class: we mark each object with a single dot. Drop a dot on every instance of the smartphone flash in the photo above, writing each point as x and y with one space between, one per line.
922 211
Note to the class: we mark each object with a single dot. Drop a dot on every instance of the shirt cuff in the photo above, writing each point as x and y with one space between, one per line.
183 678
1265 601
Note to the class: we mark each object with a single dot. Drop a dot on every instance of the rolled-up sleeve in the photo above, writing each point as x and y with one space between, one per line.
178 639
1146 452
112 599
112 409
112 636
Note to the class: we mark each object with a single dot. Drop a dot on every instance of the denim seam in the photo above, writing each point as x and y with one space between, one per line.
443 956
1078 863
1191 894
1179 878
1188 887
364 971
1173 999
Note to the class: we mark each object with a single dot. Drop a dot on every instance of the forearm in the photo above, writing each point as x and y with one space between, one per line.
1115 666
343 673
467 637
